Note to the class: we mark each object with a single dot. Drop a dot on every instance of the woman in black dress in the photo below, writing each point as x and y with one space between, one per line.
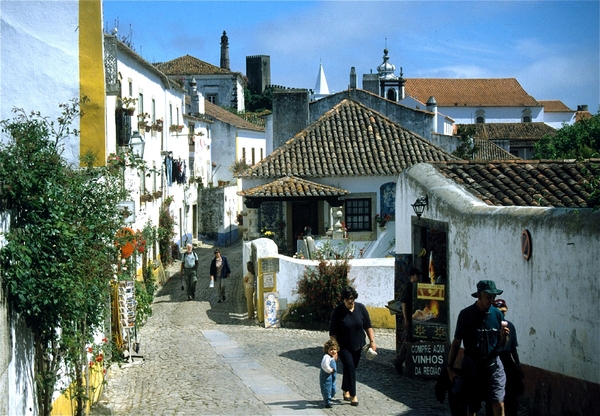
349 322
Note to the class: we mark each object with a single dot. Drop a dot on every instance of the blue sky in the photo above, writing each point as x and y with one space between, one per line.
550 47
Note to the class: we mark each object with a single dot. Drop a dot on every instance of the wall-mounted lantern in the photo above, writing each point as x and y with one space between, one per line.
420 205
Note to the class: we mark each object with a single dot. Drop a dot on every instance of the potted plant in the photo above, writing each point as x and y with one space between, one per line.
157 194
157 125
381 220
143 119
176 128
128 104
146 197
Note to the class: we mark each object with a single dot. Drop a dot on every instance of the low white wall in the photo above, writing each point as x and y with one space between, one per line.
373 278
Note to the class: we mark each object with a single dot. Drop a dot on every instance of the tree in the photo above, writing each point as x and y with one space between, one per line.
57 261
578 141
259 102
466 148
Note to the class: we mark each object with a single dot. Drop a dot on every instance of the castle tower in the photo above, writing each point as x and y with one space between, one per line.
258 71
225 51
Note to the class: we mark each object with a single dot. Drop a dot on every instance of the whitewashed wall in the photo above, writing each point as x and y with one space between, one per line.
552 298
373 278
40 59
39 70
168 106
556 119
466 115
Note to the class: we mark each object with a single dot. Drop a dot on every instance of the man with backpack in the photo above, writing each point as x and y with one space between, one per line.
189 268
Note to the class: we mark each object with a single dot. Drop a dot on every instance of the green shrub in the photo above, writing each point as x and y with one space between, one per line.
319 291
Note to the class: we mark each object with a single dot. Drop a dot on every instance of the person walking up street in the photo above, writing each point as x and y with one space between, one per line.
219 271
482 329
349 322
328 371
189 269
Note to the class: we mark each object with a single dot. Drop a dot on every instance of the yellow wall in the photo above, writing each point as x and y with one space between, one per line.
92 136
91 81
381 318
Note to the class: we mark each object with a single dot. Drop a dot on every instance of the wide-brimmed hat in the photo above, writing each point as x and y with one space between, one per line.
487 286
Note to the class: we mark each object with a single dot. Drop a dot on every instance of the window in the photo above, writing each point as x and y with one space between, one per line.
261 153
130 88
212 98
244 153
358 214
153 109
480 117
391 94
526 116
170 114
141 104
253 157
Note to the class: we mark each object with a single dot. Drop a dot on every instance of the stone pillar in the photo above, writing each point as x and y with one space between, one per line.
253 231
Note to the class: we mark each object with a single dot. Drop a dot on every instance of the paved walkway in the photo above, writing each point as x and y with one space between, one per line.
203 357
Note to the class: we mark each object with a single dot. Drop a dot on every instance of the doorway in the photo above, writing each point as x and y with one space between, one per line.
304 214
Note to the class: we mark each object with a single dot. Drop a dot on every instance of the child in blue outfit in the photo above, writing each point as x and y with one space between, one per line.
328 370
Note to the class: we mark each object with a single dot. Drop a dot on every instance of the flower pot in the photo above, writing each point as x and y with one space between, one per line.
147 127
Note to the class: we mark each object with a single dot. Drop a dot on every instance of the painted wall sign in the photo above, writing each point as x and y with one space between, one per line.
268 280
427 359
430 312
270 264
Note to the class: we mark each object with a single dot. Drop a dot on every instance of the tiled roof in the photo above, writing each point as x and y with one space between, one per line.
527 183
218 113
512 131
349 140
487 150
554 106
488 92
188 65
291 186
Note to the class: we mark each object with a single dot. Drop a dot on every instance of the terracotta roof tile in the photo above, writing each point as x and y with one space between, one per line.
512 131
291 186
218 113
554 106
487 150
349 140
188 65
533 183
488 92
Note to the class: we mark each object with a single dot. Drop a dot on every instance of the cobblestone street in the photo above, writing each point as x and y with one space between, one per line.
203 357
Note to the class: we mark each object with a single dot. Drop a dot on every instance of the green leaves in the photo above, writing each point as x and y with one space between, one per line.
56 263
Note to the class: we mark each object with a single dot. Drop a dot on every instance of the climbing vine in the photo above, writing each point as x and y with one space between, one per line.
56 264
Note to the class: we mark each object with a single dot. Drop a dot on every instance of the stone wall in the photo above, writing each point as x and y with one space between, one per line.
290 114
